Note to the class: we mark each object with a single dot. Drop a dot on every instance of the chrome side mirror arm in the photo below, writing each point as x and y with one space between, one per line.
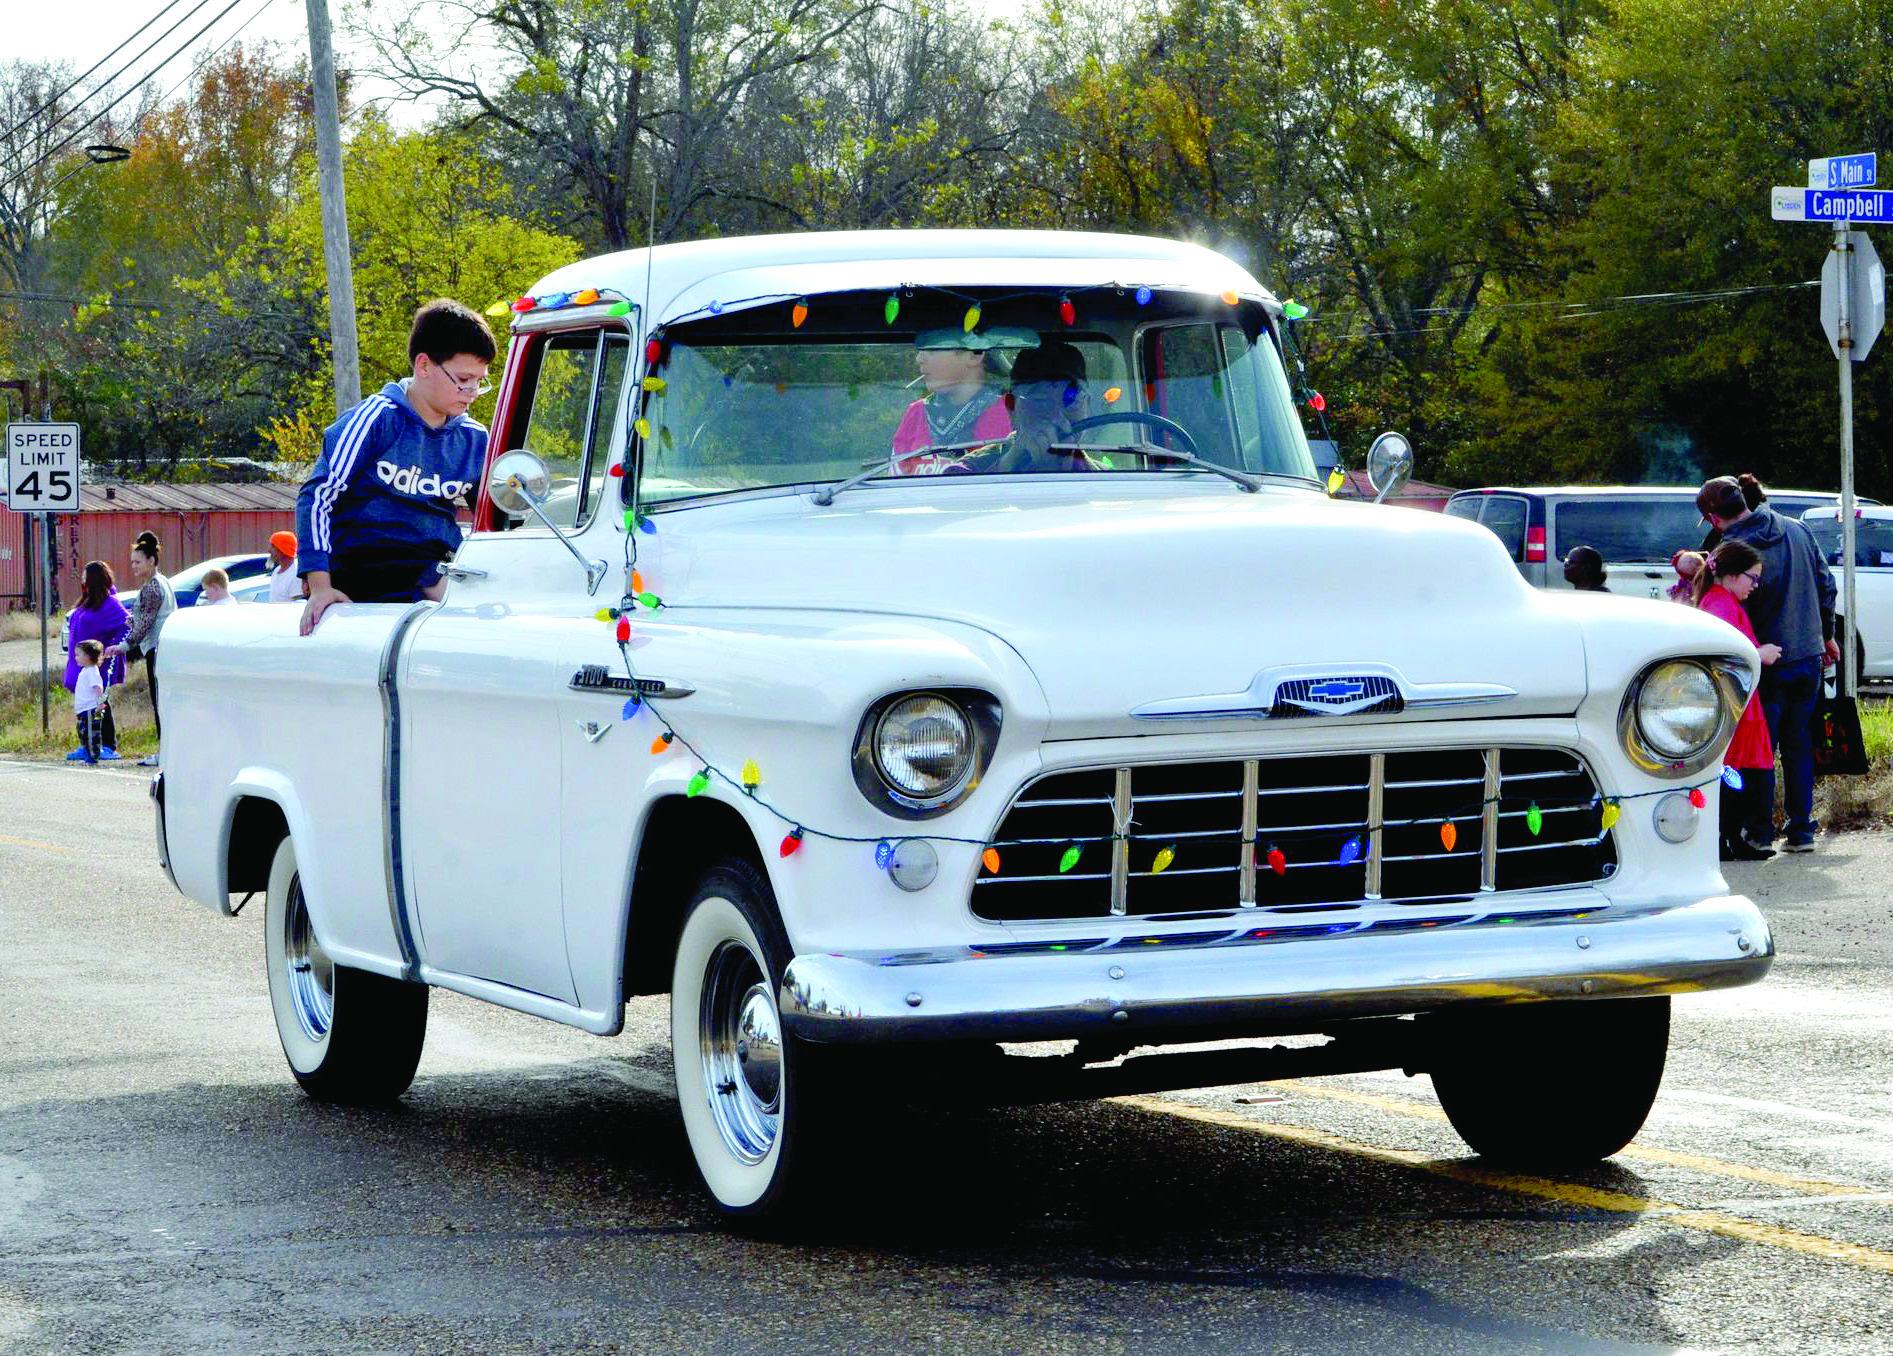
518 484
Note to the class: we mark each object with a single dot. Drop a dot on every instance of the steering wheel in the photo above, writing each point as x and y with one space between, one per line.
1156 421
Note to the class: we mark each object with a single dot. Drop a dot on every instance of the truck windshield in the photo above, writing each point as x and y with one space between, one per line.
754 399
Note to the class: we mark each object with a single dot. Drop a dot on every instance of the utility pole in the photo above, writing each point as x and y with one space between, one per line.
348 378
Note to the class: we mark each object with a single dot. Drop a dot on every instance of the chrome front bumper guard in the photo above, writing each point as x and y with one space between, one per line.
1275 975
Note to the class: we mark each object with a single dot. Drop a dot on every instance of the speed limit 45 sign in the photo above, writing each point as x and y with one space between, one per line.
43 466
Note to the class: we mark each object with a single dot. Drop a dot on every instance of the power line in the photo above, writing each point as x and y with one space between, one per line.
142 82
105 85
1578 310
95 65
216 52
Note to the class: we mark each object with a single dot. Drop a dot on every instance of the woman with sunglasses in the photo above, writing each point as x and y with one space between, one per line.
1721 587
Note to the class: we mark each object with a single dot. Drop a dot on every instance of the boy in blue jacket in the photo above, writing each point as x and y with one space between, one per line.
378 515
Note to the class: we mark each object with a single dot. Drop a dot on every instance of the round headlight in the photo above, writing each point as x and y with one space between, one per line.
1679 711
924 746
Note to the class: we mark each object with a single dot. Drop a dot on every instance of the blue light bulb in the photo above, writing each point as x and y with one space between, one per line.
1143 296
883 853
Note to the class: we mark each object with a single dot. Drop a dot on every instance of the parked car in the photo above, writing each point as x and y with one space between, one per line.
1873 580
1636 528
188 582
1159 746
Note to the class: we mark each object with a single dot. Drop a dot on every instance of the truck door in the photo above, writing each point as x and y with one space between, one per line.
485 683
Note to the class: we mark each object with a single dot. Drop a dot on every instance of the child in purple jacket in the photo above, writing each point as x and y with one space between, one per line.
98 616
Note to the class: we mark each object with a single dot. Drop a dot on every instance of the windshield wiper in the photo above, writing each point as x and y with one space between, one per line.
1149 450
826 495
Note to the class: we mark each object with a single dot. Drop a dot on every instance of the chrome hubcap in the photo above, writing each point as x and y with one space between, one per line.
741 1035
311 974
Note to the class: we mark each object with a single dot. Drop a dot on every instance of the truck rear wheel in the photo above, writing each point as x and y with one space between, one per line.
748 1091
1551 1085
349 1036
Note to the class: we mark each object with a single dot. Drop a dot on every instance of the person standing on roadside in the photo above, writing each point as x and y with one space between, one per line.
156 602
99 616
1730 576
1792 606
1584 570
285 586
379 513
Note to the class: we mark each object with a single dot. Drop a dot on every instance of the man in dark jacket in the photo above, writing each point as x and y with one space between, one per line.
1792 607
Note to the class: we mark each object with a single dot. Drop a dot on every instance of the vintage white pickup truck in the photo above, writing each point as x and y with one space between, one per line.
834 650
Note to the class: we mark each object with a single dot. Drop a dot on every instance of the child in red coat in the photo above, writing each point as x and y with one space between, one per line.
1721 587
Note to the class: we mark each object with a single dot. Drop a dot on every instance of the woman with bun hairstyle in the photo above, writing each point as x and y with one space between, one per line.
156 602
1722 586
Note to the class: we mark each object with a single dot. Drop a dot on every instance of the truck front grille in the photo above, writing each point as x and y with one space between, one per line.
1349 829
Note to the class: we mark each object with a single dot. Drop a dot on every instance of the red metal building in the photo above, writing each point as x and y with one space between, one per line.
193 522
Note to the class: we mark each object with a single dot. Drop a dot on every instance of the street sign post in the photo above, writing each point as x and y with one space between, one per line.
43 474
1844 171
1853 310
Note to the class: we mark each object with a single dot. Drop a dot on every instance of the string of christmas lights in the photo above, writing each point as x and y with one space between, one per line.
748 780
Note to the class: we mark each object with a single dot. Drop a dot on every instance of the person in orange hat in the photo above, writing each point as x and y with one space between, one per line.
284 585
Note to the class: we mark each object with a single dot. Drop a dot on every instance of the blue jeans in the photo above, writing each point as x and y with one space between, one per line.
1788 694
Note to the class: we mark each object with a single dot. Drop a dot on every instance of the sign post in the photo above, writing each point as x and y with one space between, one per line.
1841 192
43 476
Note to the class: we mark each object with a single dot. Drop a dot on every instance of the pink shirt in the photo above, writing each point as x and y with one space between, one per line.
914 434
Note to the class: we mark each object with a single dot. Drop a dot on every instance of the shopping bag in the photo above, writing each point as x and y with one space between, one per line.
1839 750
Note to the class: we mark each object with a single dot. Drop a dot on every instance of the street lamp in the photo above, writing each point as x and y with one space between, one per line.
104 153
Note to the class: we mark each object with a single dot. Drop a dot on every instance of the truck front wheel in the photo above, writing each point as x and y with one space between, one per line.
349 1036
747 1089
1550 1086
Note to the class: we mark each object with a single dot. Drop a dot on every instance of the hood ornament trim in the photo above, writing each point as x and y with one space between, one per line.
1294 690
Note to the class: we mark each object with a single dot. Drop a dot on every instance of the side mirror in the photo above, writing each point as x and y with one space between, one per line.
1389 464
518 482
518 485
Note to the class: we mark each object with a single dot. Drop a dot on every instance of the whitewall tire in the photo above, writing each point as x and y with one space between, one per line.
349 1036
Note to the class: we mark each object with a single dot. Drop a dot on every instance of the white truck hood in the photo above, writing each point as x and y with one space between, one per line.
1145 598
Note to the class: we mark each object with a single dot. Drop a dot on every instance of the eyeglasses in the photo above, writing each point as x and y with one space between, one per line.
1753 576
473 386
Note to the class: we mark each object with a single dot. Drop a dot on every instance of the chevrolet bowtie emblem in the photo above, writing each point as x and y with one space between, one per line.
1337 689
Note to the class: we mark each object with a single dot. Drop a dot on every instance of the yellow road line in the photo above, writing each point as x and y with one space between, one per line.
1643 1153
1565 1193
11 841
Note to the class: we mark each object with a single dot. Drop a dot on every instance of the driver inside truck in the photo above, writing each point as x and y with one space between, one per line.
964 405
1048 396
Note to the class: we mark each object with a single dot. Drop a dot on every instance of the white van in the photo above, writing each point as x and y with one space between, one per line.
1636 528
1873 578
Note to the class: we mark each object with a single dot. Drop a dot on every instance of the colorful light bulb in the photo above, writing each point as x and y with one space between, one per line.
637 582
1277 860
499 308
605 614
655 385
662 743
1230 298
1612 812
1534 819
1143 296
1070 859
585 296
883 853
990 860
646 526
1696 798
751 775
622 308
698 784
524 304
1317 402
716 308
643 426
889 310
1294 310
797 314
1449 835
653 351
617 470
1336 479
790 843
1113 394
1066 311
651 601
1731 779
553 302
1351 851
970 321
624 629
1161 862
631 705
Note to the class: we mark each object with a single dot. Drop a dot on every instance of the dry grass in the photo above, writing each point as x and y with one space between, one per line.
20 735
18 625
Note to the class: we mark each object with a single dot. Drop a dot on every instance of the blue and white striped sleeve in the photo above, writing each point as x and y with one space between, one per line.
342 446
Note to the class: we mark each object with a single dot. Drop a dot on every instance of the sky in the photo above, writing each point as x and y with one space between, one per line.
39 31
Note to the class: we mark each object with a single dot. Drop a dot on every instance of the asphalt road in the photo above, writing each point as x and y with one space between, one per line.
164 1187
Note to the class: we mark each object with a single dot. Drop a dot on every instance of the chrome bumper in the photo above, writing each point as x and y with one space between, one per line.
1273 977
